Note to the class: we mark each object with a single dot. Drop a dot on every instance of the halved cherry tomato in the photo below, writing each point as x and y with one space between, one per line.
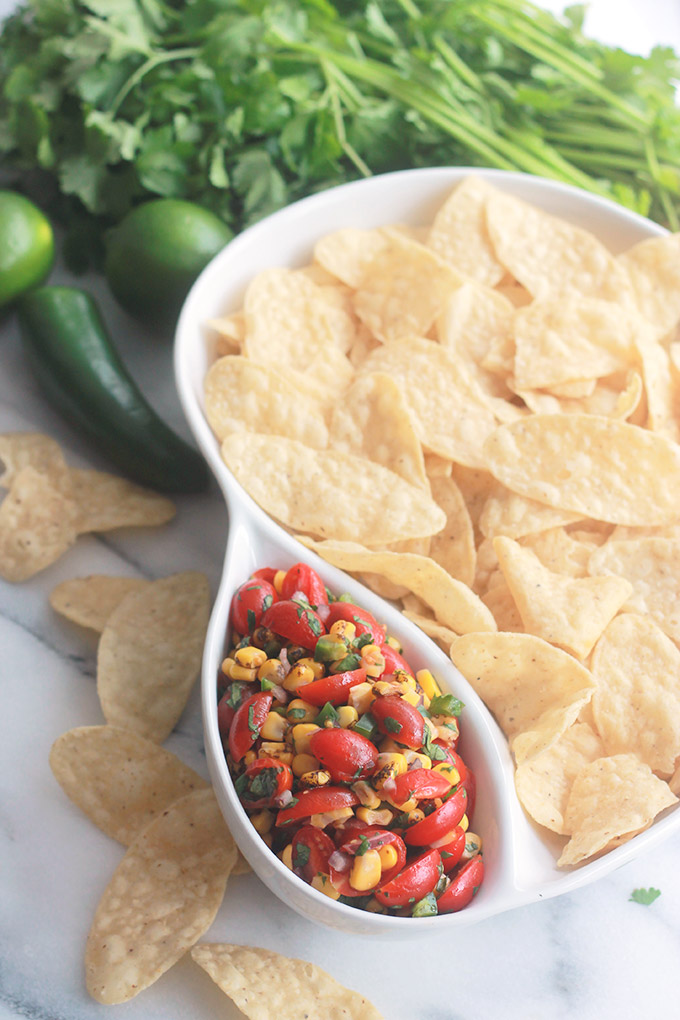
311 849
398 719
452 852
394 661
294 621
265 574
334 688
415 881
347 755
470 785
442 820
249 602
228 703
423 784
247 722
462 887
301 577
315 802
361 618
372 837
264 780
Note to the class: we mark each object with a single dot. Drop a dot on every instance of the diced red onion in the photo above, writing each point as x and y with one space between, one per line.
283 798
339 861
323 612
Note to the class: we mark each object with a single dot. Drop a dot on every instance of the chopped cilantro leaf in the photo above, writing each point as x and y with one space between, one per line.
252 620
301 855
644 896
392 725
363 846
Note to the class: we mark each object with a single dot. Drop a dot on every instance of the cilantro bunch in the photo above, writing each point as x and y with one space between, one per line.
246 105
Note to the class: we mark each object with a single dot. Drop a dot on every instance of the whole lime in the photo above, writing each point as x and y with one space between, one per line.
26 246
156 252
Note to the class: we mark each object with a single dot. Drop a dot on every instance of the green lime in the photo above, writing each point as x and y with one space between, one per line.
26 246
156 252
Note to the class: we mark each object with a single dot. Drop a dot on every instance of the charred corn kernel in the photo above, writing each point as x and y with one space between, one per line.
262 821
343 629
412 697
366 794
389 765
417 760
381 816
392 642
278 579
301 734
299 711
428 683
317 777
271 669
447 735
405 678
242 673
372 660
250 657
361 697
448 770
316 667
323 884
320 821
276 749
286 856
365 873
388 744
227 665
473 846
304 763
464 823
298 676
275 727
416 815
347 716
249 757
384 687
388 856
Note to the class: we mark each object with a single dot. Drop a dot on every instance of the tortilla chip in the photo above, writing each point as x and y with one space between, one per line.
37 525
459 233
89 601
106 502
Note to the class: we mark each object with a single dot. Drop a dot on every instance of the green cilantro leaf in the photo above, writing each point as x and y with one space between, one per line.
644 896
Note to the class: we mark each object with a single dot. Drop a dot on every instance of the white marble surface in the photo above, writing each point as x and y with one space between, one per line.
592 954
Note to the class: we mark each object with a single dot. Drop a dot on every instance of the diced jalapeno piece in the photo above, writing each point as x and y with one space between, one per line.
329 648
366 726
427 907
327 713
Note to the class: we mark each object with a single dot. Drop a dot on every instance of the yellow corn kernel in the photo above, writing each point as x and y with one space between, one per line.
325 818
227 665
361 697
448 770
275 727
416 815
347 716
316 667
250 657
271 669
365 873
412 697
343 629
393 643
276 749
415 756
317 777
299 711
302 734
389 744
389 765
366 794
407 806
242 673
473 846
464 823
405 678
372 660
304 763
298 676
286 856
381 816
262 821
388 856
428 683
249 757
322 883
448 729
278 579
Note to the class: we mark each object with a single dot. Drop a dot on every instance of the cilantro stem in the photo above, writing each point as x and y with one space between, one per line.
188 53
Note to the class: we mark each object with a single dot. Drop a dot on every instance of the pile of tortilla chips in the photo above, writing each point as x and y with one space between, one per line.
481 418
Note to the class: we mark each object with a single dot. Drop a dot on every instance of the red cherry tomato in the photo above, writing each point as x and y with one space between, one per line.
373 837
249 602
314 802
398 719
295 622
274 777
333 688
302 578
453 851
347 755
415 881
311 849
423 784
265 574
462 887
228 703
470 786
442 820
247 722
361 618
394 661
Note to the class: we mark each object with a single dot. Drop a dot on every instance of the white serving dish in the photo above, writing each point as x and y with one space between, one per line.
519 859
